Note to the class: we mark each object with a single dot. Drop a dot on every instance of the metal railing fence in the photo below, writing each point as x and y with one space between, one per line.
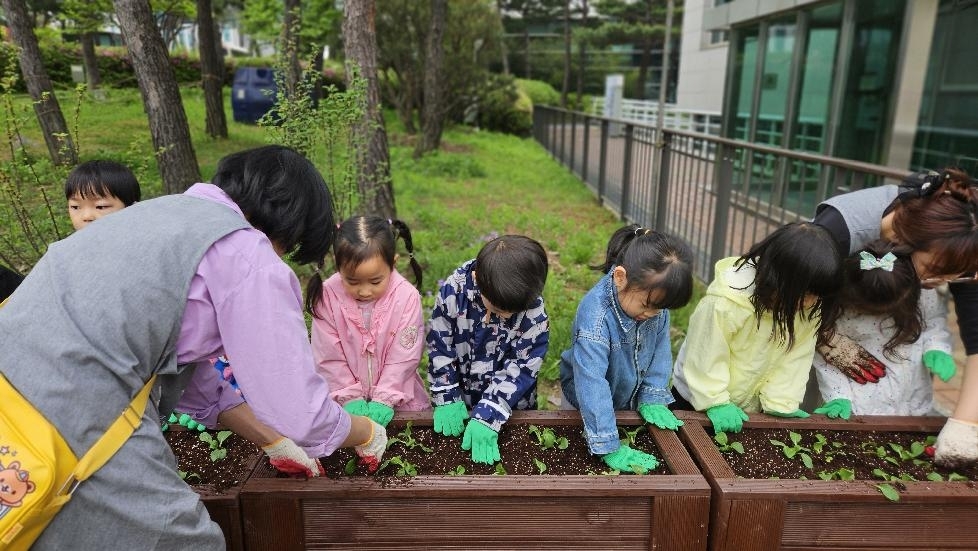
718 194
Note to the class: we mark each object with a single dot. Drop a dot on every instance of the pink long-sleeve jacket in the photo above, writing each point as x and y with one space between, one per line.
376 363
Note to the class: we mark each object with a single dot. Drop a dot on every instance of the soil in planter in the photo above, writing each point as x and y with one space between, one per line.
194 459
867 454
434 454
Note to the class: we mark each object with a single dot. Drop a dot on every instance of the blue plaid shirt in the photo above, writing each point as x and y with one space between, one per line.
492 366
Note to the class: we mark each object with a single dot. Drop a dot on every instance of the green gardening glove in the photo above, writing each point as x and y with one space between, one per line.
356 407
660 416
189 422
940 364
380 413
798 414
483 441
629 460
727 418
836 409
450 418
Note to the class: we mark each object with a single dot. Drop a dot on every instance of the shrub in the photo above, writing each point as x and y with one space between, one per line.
504 108
540 92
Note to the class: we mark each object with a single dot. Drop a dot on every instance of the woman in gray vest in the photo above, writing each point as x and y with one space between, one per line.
936 213
152 289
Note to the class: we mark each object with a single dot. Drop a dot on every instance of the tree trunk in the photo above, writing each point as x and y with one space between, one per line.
565 87
643 69
290 40
502 40
90 60
175 155
61 149
373 166
432 112
210 72
582 65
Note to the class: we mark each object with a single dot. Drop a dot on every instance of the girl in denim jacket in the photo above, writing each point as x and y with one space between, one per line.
366 328
620 356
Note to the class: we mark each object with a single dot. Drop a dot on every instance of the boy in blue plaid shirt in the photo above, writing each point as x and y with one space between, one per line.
489 334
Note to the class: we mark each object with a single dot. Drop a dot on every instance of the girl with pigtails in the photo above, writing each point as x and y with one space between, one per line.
367 325
620 356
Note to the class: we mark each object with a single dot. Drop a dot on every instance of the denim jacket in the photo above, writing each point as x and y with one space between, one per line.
614 363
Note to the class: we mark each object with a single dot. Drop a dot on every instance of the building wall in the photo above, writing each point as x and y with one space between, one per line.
702 65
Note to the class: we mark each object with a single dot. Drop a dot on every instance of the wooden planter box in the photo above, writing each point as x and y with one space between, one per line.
224 506
796 515
558 513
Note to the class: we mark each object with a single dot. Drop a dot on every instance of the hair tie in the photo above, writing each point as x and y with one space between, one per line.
389 221
867 261
641 231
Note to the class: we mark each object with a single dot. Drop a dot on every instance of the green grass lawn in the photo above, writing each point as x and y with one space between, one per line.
479 185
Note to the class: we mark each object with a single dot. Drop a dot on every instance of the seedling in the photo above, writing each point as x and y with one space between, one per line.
500 470
351 466
218 451
407 440
725 445
630 435
404 468
541 466
189 477
840 474
457 471
546 438
790 451
889 492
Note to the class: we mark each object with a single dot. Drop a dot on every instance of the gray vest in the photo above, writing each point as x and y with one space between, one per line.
863 210
97 316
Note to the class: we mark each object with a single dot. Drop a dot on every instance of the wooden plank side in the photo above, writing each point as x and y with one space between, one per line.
679 523
883 525
428 523
272 522
752 525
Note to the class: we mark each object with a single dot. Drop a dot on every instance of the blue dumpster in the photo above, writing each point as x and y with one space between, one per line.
253 93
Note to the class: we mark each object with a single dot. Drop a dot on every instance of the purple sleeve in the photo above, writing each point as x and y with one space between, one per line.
246 302
207 395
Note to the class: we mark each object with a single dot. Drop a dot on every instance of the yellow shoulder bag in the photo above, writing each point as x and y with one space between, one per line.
39 472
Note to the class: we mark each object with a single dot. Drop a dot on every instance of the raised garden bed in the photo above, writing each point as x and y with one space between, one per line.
767 514
217 482
666 511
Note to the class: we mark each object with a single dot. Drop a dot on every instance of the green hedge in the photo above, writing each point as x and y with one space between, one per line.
116 71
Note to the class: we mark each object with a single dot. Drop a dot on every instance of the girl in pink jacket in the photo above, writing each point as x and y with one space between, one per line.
367 326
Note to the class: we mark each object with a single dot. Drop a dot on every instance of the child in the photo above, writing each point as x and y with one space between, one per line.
96 188
888 314
752 337
620 355
367 322
489 334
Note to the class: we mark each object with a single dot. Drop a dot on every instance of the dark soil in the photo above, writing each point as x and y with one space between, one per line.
861 452
194 459
517 446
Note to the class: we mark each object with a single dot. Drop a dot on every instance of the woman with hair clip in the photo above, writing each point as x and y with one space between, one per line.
935 214
367 326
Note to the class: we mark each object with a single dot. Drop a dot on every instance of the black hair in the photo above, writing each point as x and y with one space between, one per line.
9 281
655 262
895 293
100 178
793 261
282 194
511 271
358 239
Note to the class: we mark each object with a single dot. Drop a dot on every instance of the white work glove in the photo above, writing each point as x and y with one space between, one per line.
290 459
957 444
372 451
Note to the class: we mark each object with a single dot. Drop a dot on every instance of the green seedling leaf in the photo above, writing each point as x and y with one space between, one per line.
351 466
737 447
721 438
222 436
218 454
917 448
955 477
541 466
882 474
806 459
889 492
824 475
935 477
457 471
846 474
500 470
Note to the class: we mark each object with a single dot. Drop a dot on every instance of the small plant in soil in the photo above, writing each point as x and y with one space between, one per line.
216 443
725 445
194 462
547 439
543 449
888 458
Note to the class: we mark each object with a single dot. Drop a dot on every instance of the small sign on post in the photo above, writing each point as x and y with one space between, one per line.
613 86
